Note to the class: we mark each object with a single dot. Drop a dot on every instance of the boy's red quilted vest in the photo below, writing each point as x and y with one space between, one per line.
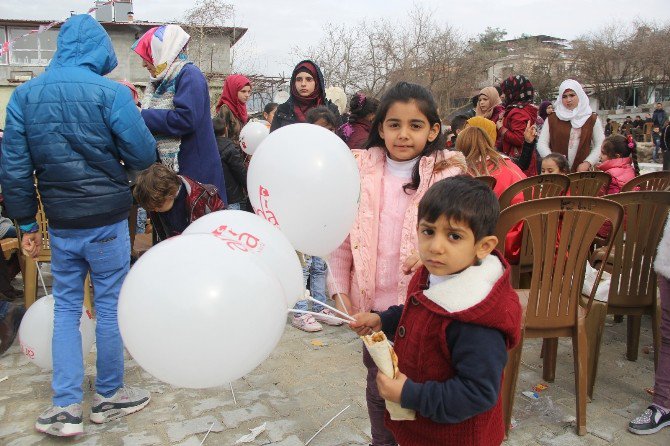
423 355
201 199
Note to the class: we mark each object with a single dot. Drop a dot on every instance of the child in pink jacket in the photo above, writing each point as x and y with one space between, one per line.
618 158
373 266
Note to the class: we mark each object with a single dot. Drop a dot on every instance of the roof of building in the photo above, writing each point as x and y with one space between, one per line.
236 32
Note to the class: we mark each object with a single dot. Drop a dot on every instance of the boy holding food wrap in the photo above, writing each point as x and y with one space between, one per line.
452 335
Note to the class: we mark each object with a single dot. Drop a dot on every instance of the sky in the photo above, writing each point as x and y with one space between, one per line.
278 27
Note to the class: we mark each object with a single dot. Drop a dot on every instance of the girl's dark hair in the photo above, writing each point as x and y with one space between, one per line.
560 160
621 147
362 105
322 112
269 107
406 92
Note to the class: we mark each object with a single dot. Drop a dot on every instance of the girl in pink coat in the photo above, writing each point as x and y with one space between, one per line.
618 158
373 266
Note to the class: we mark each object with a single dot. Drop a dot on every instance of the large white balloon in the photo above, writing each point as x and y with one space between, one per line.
247 232
252 135
37 330
195 312
304 179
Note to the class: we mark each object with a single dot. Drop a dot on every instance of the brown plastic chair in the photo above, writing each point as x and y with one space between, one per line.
540 186
10 246
588 184
30 268
633 284
649 181
562 229
488 180
615 127
646 131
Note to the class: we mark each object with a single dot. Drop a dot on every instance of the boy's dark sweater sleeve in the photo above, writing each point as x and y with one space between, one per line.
390 320
478 356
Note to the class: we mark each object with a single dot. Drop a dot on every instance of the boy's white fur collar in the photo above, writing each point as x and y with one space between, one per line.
468 288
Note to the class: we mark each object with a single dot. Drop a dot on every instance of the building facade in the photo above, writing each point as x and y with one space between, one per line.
30 55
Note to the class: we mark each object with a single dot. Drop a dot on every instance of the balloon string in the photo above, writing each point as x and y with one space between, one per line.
39 272
233 392
292 310
339 296
333 309
326 425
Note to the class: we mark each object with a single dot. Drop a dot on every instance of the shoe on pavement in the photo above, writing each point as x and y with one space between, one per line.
324 318
125 401
9 326
650 422
307 323
61 421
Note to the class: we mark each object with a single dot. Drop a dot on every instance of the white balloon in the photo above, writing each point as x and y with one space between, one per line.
37 330
197 313
248 232
304 179
252 135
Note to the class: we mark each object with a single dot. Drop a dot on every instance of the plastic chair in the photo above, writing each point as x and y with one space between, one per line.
10 246
633 285
488 180
615 127
646 131
562 229
540 186
588 184
649 181
30 268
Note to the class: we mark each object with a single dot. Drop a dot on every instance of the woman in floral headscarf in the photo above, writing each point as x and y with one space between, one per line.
356 130
518 96
176 107
232 105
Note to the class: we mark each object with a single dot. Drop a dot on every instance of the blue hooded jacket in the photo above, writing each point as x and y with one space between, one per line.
72 128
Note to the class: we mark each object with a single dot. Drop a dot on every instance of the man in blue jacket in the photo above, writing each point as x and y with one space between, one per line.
71 128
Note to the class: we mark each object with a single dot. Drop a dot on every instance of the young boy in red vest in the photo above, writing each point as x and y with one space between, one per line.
460 319
174 201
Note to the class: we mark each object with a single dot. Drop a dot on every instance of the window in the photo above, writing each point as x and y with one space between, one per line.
3 39
33 49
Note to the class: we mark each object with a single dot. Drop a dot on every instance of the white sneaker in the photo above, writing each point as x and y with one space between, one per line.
61 421
125 401
324 317
307 323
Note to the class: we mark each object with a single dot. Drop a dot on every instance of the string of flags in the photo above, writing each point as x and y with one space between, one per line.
4 49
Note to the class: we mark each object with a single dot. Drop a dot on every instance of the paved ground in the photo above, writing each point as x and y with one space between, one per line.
302 385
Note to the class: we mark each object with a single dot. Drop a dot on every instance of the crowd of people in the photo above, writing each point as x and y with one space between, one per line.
424 229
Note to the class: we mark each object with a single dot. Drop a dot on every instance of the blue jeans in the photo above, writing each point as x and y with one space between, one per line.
105 251
657 147
4 309
315 270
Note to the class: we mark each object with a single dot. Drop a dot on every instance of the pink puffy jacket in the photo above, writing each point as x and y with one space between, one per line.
353 264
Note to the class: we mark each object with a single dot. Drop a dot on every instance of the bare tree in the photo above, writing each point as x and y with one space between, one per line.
372 56
207 22
617 61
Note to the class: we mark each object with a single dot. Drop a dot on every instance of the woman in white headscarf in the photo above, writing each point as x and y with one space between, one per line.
573 130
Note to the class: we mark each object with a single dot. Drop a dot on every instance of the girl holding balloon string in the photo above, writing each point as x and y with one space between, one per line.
371 270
